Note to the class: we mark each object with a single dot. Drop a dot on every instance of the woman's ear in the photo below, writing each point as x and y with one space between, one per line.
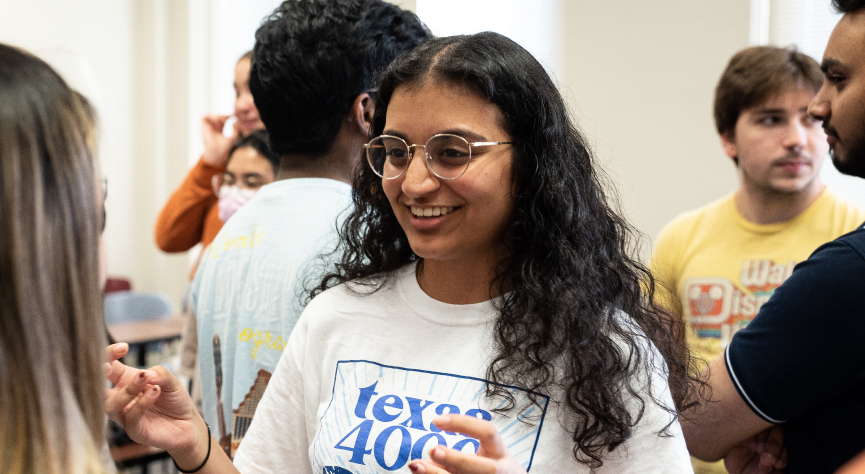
361 112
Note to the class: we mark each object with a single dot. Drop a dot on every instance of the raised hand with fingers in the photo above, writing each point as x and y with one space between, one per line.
492 457
152 406
156 410
216 144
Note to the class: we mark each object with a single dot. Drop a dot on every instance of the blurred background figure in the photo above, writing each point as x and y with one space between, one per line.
191 214
213 190
52 331
251 164
740 248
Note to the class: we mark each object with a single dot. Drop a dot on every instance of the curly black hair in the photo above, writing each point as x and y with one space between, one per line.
570 274
313 57
847 6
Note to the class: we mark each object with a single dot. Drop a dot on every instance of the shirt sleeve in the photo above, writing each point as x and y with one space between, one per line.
805 345
656 443
188 215
277 439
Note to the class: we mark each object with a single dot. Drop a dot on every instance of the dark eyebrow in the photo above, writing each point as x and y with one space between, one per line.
829 63
771 111
394 133
462 132
467 134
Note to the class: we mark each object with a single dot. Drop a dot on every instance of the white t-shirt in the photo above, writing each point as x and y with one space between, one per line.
249 291
364 375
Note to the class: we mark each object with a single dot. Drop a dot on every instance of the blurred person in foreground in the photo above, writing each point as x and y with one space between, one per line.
800 364
52 328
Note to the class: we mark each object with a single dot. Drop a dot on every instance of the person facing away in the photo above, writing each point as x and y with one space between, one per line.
192 213
486 316
251 164
800 364
717 265
249 290
195 212
52 327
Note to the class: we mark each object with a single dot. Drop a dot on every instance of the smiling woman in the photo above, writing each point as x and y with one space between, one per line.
477 203
513 270
509 333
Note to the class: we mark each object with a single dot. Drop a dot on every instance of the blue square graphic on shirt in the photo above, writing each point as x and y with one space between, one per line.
380 418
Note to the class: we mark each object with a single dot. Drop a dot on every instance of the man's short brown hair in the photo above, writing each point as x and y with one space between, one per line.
754 74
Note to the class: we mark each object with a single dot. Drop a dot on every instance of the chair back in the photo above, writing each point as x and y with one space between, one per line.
115 284
130 306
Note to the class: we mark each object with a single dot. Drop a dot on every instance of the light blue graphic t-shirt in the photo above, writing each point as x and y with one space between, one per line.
249 292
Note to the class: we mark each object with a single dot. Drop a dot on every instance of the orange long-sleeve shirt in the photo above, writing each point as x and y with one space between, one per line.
191 214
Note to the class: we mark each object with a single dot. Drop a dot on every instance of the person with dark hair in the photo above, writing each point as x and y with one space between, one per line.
487 314
717 265
191 215
52 328
316 103
251 164
800 363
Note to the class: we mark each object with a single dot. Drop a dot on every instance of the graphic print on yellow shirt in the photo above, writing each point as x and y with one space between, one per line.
718 308
717 269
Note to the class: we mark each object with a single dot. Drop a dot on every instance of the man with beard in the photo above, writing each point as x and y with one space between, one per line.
801 362
717 265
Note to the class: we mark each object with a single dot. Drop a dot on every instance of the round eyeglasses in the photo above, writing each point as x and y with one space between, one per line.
447 155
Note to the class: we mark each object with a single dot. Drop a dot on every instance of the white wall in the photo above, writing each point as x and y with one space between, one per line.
535 25
640 78
128 57
638 75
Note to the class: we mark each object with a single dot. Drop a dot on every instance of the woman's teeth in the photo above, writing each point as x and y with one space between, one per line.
430 211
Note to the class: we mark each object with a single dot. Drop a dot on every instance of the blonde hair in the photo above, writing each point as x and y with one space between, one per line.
52 329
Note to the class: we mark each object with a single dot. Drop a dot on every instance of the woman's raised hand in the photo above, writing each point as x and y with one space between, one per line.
492 456
152 406
216 144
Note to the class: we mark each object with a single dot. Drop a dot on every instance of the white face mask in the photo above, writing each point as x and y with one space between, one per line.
231 198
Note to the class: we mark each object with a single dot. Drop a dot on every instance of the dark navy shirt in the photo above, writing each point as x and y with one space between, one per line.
801 361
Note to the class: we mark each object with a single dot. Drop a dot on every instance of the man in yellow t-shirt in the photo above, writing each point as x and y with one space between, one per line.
715 266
